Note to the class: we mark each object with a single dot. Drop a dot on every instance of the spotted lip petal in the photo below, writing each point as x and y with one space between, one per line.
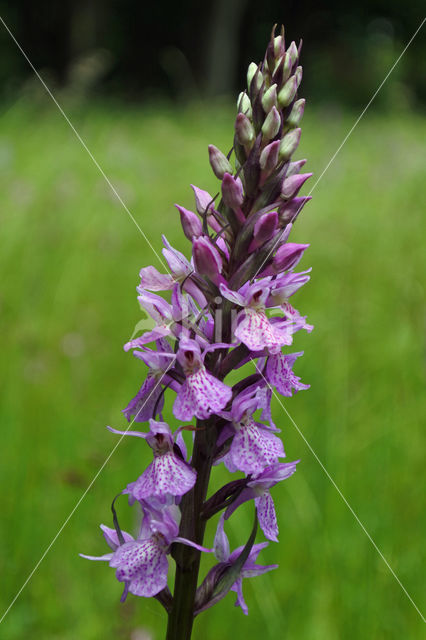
143 564
201 395
254 448
279 373
256 331
267 517
167 474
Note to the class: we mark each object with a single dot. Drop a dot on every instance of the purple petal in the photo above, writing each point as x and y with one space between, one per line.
266 515
253 449
167 474
179 265
111 537
153 280
221 542
240 602
256 331
107 556
138 434
144 565
233 296
189 543
273 474
201 395
143 404
280 375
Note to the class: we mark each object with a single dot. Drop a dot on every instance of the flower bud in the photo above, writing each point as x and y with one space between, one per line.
244 104
219 162
203 200
289 144
232 191
292 184
291 209
287 256
269 98
207 260
294 167
269 157
292 53
278 46
191 224
204 204
244 130
272 124
298 74
264 229
286 68
279 63
257 82
296 113
287 93
251 71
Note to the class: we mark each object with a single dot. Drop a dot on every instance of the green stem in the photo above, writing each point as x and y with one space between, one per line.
187 559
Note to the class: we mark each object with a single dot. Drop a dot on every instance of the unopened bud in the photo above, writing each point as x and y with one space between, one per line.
279 63
205 205
264 229
286 67
289 144
244 130
272 124
292 53
269 157
244 104
278 46
298 75
251 73
203 200
287 256
219 162
256 82
291 209
296 113
294 167
232 191
269 98
287 93
191 223
207 260
292 184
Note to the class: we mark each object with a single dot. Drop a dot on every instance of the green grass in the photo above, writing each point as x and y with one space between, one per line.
69 260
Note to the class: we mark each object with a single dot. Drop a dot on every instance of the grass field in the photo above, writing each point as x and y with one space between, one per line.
70 258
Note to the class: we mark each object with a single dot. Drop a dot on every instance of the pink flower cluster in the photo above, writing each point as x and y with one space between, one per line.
224 307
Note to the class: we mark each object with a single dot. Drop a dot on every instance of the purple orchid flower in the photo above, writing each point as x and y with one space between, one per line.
142 563
250 568
258 490
181 271
201 394
254 445
279 373
254 328
167 474
149 396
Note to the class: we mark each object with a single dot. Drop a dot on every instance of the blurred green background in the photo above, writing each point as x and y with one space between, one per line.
70 258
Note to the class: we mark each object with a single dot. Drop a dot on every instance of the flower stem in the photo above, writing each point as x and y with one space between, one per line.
187 559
